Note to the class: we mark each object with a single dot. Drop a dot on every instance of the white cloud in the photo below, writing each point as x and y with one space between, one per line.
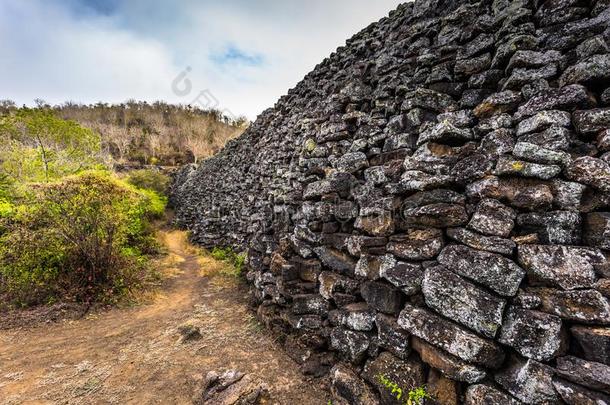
59 53
58 58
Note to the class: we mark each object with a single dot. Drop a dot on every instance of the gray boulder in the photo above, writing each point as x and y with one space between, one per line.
494 271
534 334
529 381
562 266
450 337
459 300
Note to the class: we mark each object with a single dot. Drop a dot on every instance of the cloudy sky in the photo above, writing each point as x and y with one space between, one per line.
237 55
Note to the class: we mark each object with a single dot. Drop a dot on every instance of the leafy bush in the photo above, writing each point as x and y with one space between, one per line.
65 235
84 238
237 260
6 208
418 395
37 146
6 191
5 186
220 253
415 396
149 180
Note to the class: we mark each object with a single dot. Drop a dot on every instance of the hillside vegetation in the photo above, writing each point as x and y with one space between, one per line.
142 133
70 228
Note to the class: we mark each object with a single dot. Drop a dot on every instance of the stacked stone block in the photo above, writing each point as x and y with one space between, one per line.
431 206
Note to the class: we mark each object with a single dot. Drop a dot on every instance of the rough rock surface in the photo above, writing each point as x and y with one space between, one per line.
459 300
561 266
482 394
406 374
583 306
448 365
578 395
534 334
594 342
438 190
529 381
231 388
595 376
494 271
348 388
450 337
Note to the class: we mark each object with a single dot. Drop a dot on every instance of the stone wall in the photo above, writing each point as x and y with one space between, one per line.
431 205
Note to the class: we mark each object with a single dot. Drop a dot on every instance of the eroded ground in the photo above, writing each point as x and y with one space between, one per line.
134 355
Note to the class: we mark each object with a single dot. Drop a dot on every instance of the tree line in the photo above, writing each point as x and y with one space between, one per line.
141 133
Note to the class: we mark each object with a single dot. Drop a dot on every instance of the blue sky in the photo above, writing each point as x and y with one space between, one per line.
232 54
235 55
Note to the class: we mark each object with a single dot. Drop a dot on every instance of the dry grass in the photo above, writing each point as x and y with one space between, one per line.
136 356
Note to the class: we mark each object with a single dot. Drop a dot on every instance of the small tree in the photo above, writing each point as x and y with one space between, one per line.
197 145
7 106
63 147
41 104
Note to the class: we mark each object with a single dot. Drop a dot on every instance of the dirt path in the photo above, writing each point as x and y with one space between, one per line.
134 355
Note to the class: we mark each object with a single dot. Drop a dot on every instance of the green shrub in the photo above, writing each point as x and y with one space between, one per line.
147 179
5 186
418 396
84 238
154 204
6 208
237 260
38 146
415 396
65 235
6 196
220 253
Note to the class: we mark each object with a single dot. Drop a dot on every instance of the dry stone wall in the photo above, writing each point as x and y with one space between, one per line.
431 205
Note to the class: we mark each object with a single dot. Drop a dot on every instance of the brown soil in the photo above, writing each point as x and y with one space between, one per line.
134 355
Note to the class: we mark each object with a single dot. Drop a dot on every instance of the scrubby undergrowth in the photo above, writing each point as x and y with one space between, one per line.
86 238
235 261
70 229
